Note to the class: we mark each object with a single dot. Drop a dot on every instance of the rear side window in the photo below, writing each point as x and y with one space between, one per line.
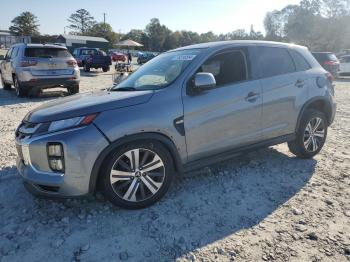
300 62
8 55
14 52
89 52
229 67
46 52
274 61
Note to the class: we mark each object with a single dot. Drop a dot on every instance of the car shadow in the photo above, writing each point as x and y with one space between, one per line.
202 207
8 97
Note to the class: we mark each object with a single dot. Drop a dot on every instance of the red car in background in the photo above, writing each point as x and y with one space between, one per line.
118 57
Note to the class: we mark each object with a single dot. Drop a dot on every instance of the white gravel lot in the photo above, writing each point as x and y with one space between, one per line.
264 206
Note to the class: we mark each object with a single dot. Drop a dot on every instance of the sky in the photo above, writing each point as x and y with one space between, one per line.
219 16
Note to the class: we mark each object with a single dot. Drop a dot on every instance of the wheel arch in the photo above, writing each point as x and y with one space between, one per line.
319 103
163 139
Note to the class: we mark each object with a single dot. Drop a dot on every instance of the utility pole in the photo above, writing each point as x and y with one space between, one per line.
104 24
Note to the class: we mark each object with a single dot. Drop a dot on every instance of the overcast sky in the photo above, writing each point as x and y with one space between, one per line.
219 16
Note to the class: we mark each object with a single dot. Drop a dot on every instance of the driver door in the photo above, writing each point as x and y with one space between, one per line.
228 115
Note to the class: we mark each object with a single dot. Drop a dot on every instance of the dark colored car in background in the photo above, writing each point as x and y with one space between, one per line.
92 58
144 58
118 57
328 61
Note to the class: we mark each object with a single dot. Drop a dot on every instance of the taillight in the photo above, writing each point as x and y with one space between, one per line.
330 62
330 77
27 63
72 63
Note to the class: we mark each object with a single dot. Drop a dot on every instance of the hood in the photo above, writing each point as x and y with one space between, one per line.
85 104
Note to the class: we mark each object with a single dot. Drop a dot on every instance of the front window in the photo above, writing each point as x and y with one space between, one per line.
160 71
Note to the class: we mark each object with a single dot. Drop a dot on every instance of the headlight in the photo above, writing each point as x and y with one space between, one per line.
71 122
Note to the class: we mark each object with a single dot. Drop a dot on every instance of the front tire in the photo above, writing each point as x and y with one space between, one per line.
73 89
138 174
311 134
86 68
105 68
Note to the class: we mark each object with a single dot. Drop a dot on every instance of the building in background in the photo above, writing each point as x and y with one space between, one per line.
75 41
7 39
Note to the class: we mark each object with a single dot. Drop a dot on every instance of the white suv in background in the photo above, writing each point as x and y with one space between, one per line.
33 67
344 65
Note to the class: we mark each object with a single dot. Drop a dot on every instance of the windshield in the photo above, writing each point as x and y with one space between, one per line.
160 72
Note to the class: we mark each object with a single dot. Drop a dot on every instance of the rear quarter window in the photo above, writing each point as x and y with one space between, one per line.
46 52
274 61
301 63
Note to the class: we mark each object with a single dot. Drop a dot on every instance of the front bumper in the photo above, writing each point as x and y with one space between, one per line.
81 148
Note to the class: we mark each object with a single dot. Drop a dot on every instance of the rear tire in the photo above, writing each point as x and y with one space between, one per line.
86 68
20 92
5 86
134 184
73 89
105 68
311 134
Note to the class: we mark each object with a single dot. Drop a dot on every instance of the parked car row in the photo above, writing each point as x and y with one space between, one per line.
144 58
330 62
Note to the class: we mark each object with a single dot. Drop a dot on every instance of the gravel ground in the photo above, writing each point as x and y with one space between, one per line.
264 206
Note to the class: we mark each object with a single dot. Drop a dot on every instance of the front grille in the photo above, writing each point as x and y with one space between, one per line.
49 188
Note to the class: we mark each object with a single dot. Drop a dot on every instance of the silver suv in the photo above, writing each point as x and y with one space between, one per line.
33 67
185 109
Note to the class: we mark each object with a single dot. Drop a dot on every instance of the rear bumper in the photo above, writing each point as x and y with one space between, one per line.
50 82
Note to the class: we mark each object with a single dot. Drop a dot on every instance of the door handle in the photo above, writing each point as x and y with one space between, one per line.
300 83
252 96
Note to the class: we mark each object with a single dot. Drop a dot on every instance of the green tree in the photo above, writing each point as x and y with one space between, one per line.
135 35
104 30
81 22
25 24
157 34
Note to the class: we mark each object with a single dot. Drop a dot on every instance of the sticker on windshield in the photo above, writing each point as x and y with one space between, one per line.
184 57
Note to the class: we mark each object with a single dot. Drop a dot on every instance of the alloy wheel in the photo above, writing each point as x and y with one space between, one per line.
137 175
314 134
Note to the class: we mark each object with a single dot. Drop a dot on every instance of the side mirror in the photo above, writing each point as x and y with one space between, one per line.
2 57
204 81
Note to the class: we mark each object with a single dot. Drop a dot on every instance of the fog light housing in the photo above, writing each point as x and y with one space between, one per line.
55 157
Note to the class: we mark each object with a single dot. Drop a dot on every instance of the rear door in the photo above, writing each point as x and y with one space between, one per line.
284 89
230 114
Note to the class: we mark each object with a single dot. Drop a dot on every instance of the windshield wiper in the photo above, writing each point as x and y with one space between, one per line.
124 89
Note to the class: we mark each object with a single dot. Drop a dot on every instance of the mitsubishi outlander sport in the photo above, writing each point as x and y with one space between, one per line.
184 109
